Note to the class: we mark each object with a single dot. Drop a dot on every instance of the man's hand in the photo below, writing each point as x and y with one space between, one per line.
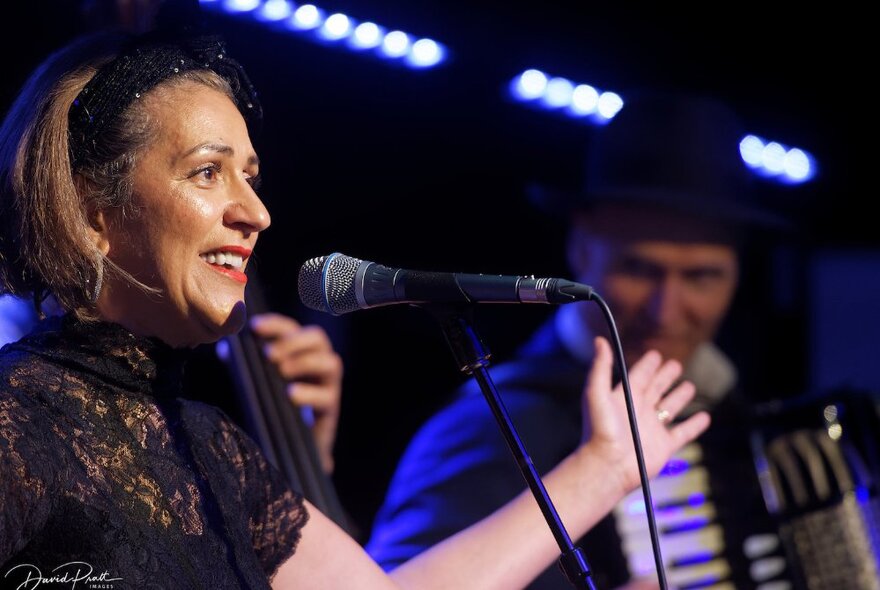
305 359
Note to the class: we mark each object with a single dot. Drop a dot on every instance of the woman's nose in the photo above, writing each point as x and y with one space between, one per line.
248 210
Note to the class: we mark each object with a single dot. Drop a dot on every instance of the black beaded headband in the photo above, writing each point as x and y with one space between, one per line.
141 67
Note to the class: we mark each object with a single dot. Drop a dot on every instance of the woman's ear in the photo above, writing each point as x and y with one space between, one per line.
96 216
98 229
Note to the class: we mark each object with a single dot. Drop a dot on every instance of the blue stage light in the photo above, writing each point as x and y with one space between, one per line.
797 165
336 26
584 100
608 105
750 149
773 158
530 85
275 10
311 21
307 17
395 44
558 93
425 53
366 36
581 101
241 5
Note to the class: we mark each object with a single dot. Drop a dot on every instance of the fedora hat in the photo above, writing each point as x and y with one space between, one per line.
672 152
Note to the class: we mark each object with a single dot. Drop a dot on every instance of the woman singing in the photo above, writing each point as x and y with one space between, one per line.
128 192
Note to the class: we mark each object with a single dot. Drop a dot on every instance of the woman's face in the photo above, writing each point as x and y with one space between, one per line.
195 222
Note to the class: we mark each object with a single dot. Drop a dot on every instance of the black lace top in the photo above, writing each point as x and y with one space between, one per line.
102 464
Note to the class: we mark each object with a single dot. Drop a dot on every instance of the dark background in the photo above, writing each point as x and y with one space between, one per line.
427 169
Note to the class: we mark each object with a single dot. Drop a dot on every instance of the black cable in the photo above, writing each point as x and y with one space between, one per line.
637 442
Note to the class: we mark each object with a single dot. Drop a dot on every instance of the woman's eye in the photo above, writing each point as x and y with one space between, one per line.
208 173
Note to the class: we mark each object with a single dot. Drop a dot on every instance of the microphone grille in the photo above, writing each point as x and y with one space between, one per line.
327 283
310 283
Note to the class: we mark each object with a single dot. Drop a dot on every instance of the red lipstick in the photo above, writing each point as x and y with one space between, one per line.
232 273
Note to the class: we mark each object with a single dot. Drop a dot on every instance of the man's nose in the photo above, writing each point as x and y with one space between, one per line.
666 306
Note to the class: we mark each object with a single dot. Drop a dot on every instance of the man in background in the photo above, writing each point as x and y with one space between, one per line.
656 231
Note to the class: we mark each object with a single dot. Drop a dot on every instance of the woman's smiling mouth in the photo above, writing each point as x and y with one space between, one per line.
229 260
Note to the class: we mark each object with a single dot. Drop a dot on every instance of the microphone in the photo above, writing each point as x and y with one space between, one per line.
339 284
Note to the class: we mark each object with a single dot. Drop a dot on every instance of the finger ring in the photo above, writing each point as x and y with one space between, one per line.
663 415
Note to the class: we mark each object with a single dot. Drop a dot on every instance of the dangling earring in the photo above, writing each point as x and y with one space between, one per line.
99 280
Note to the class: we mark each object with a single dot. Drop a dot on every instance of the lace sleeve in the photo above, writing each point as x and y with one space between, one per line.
276 514
24 476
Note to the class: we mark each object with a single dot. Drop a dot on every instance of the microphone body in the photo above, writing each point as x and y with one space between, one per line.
340 284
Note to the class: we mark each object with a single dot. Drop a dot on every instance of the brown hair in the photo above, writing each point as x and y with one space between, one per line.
45 207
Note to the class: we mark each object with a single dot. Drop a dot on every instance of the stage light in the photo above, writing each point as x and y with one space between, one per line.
312 22
241 5
366 36
581 101
608 105
773 158
558 93
796 165
337 26
750 149
275 10
306 17
584 100
425 53
395 44
530 84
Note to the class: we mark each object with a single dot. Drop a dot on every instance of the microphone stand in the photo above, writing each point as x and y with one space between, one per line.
472 358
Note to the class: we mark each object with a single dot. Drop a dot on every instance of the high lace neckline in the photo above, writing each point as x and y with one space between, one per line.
110 352
104 461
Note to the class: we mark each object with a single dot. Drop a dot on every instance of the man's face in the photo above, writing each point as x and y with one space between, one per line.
668 283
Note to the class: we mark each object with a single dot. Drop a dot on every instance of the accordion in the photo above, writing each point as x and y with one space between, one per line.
789 502
818 461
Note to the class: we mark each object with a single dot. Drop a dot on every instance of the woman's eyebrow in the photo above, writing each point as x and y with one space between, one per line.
220 148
